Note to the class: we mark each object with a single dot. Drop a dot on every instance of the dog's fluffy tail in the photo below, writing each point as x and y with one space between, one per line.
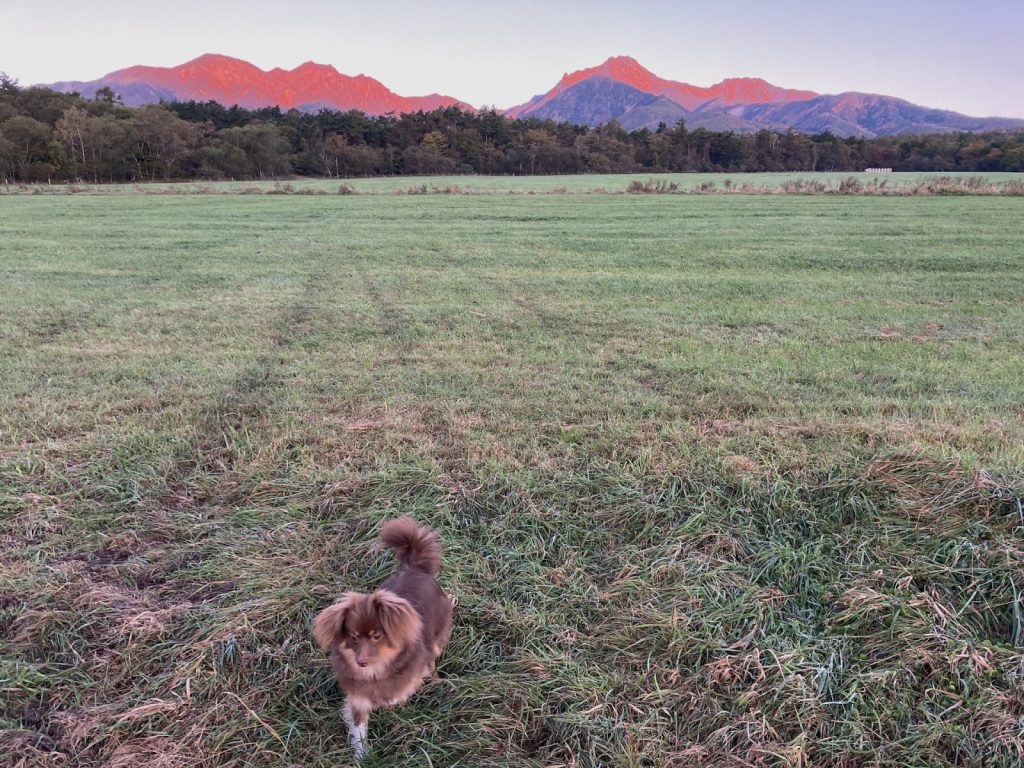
413 545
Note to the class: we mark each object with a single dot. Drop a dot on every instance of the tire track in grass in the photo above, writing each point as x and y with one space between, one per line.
142 580
391 320
561 323
235 414
151 570
447 448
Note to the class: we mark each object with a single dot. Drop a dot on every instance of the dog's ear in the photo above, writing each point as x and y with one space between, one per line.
329 622
400 621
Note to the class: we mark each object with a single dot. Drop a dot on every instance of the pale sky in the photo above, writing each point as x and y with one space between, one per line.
948 54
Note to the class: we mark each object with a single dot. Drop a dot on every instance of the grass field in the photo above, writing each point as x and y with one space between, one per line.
723 481
516 185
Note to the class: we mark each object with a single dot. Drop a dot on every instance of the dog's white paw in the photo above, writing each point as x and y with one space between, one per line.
357 738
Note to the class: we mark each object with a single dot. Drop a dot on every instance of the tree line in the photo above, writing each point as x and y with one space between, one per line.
51 136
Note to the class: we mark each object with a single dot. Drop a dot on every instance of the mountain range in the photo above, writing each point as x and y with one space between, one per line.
212 77
620 89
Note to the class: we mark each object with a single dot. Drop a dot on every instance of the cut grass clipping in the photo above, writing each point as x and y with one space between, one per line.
722 480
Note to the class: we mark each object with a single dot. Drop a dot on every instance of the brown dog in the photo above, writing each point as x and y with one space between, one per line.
383 644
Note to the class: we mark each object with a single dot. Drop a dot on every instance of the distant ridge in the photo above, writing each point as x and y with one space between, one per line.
626 70
615 90
213 77
619 89
860 114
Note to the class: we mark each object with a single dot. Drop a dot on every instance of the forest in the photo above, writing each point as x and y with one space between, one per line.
46 136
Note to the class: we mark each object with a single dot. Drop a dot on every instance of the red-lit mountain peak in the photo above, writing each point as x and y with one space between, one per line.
622 69
628 71
215 77
755 90
210 76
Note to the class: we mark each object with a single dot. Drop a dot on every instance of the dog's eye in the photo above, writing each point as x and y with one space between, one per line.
353 637
375 635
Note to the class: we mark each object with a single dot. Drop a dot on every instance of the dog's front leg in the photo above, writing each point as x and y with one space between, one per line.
357 718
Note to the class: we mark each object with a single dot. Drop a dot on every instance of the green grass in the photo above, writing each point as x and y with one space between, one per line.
516 185
721 480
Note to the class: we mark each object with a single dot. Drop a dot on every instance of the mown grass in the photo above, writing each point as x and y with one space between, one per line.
722 480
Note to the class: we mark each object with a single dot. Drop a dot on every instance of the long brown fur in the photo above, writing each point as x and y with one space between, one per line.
382 645
413 545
